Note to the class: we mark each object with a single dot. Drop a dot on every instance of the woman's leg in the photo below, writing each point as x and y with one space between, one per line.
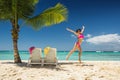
80 53
74 48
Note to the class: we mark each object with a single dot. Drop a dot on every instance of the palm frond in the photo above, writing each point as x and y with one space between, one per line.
53 15
25 8
5 12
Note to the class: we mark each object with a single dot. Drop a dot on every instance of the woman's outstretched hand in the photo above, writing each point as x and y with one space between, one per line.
83 27
68 29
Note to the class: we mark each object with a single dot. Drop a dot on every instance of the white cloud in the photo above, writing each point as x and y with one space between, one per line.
88 36
107 42
73 36
103 39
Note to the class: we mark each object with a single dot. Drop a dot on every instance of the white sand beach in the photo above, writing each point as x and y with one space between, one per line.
89 70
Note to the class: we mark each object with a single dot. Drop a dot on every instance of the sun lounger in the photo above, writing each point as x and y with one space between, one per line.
36 57
50 57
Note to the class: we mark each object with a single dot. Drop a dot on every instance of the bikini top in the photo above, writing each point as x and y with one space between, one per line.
81 36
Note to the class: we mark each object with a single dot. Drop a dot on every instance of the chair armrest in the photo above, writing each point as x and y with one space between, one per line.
29 61
42 62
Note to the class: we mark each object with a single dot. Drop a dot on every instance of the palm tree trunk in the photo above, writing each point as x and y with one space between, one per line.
16 52
14 33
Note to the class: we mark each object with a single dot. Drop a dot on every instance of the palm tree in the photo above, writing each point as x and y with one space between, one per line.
14 10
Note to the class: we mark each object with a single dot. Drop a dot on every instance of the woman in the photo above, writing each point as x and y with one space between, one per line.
79 34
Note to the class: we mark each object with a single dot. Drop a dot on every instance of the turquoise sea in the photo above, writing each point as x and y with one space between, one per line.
61 55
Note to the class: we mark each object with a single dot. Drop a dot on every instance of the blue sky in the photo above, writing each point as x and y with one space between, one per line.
101 19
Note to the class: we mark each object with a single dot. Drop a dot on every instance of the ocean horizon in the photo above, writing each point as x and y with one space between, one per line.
61 55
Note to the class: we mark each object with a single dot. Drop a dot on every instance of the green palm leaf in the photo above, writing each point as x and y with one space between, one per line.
53 15
25 8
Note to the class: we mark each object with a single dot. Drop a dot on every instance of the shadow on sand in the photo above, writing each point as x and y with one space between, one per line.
58 67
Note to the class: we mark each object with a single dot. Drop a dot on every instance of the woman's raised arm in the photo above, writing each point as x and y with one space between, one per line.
83 28
70 30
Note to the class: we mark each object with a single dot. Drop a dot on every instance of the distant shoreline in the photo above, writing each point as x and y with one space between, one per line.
63 51
86 55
